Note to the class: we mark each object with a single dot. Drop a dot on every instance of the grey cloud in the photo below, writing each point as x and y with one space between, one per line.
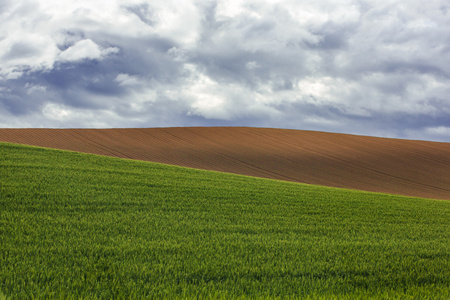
144 12
20 50
15 100
333 36
334 118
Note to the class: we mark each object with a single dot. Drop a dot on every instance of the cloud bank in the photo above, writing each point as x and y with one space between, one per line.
344 66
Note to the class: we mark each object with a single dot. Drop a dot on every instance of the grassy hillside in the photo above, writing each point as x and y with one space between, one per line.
83 226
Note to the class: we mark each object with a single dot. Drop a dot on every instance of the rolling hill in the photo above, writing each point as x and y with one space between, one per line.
395 166
83 226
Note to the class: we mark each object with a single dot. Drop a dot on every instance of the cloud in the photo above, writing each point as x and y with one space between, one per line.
128 80
85 49
349 66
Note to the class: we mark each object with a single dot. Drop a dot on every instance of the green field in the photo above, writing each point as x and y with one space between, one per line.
76 226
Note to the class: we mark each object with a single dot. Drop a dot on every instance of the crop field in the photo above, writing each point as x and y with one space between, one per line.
82 226
382 165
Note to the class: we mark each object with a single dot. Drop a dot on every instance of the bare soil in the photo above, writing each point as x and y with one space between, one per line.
404 167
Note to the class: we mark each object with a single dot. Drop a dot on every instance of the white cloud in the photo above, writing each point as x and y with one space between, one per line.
126 79
31 88
65 116
27 52
57 112
440 130
85 49
251 65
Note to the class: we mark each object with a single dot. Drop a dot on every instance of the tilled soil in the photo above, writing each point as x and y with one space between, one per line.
404 167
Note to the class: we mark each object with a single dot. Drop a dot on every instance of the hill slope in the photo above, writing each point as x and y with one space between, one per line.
405 167
81 226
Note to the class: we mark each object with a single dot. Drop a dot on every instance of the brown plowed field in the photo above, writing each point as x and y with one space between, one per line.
405 167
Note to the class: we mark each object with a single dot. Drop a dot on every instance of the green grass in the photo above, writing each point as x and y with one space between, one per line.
76 226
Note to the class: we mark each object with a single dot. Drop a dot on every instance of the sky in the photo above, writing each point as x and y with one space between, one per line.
370 67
